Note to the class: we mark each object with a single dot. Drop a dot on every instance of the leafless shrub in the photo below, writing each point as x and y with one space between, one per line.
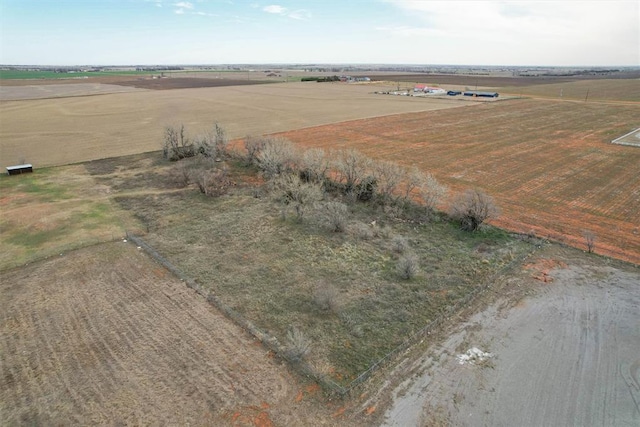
431 192
204 146
325 297
220 140
366 189
388 176
175 144
214 182
181 173
472 208
351 167
412 180
291 191
590 239
407 266
298 346
314 165
278 156
399 244
352 324
362 231
254 146
335 215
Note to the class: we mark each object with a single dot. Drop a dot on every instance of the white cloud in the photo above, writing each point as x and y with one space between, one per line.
588 32
179 11
275 9
300 14
184 5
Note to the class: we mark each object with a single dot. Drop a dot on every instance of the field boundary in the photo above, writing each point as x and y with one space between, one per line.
450 312
303 368
269 341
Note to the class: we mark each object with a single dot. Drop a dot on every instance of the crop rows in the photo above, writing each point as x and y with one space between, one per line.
549 164
103 335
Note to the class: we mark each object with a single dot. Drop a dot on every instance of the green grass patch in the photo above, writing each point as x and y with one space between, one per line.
36 186
54 210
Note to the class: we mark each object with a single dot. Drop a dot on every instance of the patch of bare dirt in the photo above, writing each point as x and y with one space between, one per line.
561 353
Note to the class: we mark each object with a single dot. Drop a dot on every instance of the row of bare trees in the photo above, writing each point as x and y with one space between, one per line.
177 145
197 157
301 177
295 175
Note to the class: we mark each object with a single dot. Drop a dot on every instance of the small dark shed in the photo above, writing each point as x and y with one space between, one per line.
19 169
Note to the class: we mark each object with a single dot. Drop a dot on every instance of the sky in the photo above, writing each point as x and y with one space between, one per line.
170 32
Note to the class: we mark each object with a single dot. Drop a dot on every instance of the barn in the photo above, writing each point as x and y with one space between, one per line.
481 94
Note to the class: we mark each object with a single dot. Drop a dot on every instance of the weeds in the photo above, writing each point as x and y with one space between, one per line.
407 267
298 346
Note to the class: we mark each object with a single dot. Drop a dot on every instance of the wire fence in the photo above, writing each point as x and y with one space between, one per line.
302 367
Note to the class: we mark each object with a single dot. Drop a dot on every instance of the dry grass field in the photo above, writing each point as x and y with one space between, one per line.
550 165
104 335
625 90
68 130
35 91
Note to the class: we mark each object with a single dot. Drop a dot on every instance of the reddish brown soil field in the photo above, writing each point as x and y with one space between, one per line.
550 165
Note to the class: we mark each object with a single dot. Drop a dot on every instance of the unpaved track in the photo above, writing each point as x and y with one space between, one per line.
568 356
105 335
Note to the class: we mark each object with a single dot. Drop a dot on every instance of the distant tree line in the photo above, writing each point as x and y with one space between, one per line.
321 79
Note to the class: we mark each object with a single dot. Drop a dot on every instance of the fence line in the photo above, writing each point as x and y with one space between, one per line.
303 367
269 341
431 326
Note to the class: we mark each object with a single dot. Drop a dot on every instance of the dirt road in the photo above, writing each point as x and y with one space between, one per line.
567 356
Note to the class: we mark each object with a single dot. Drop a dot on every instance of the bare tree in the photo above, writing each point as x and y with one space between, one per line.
351 167
182 173
254 146
220 140
432 192
472 208
293 192
590 239
175 144
214 182
314 165
278 155
413 178
388 176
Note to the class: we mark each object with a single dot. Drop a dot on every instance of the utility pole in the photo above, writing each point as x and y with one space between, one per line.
587 96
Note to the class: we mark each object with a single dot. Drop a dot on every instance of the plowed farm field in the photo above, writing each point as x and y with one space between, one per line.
103 335
60 131
550 165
